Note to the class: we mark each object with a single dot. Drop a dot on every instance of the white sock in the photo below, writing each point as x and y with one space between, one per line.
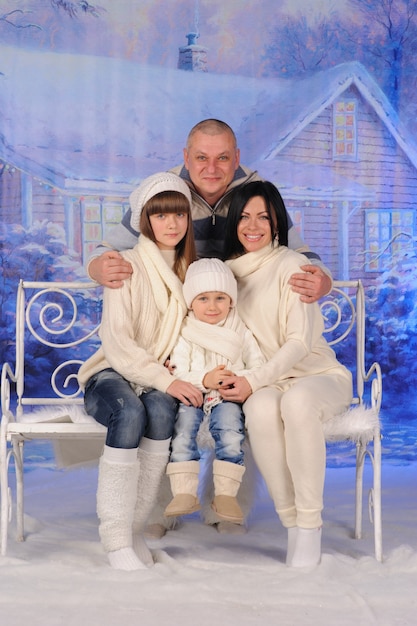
142 550
155 446
307 551
291 541
125 559
120 455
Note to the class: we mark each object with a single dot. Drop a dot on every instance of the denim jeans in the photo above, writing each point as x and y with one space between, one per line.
226 424
109 398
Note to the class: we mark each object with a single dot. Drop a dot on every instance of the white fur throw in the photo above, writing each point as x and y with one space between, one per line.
355 424
59 413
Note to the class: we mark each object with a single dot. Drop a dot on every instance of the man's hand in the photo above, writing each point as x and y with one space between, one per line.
110 269
312 285
237 390
185 393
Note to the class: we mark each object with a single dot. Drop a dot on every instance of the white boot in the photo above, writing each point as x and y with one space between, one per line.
291 541
307 550
183 477
116 498
227 478
153 458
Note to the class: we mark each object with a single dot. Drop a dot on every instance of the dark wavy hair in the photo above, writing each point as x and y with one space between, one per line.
275 207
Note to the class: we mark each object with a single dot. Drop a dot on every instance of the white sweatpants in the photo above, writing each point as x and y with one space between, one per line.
288 445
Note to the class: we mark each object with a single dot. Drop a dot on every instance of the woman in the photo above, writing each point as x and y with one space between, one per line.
300 386
127 387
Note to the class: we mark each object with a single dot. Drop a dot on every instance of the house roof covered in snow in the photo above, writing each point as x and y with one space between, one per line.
300 102
98 124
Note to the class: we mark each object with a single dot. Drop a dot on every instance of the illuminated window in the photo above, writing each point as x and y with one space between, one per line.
386 232
296 216
98 218
345 130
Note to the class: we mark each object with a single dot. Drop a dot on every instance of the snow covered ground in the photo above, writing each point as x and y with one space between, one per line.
60 575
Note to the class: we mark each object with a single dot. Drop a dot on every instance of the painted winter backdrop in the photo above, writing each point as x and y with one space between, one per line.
321 96
96 96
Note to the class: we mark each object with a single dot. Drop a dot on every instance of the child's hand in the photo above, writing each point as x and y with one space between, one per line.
170 368
217 378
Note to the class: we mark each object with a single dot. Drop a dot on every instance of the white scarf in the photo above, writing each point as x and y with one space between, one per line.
167 290
222 343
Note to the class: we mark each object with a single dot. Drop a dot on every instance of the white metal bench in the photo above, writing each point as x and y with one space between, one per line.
57 318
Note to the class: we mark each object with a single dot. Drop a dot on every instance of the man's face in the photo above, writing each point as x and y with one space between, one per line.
211 161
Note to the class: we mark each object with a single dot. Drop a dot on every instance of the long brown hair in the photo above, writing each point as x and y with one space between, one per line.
171 202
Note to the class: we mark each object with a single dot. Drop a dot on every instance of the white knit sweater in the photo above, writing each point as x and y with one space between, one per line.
141 322
289 332
201 347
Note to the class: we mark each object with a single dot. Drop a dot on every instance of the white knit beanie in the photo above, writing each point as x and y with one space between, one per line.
150 187
209 275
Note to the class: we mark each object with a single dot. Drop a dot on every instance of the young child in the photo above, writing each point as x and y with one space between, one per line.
213 344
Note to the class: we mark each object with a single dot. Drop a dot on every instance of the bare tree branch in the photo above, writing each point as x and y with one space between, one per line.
5 18
73 8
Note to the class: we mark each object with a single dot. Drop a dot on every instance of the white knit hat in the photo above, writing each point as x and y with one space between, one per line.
150 187
209 275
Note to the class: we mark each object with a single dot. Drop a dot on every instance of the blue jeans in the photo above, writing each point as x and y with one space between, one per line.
226 424
110 399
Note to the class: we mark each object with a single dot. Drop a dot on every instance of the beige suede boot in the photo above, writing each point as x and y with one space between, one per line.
227 478
183 477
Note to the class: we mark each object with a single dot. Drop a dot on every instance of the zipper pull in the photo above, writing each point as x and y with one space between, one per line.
213 218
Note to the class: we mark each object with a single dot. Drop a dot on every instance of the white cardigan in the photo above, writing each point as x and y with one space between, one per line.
141 322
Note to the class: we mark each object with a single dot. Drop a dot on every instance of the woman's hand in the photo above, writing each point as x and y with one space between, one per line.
237 390
215 378
185 393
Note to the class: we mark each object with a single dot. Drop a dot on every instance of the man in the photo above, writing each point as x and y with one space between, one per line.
212 170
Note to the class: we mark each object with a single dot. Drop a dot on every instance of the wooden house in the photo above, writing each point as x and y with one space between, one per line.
345 166
78 133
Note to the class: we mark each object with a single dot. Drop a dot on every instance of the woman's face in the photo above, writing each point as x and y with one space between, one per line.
254 229
169 229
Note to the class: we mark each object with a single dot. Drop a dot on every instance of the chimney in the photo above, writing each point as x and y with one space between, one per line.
192 57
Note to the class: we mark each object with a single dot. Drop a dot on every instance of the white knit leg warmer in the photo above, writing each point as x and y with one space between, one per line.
153 458
116 498
158 523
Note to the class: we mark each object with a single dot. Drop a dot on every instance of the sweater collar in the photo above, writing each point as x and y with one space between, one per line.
252 261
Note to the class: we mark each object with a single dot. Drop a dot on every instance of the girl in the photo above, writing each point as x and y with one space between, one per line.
127 387
301 384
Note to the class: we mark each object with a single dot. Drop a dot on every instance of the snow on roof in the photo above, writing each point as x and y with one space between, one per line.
66 116
88 123
300 101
